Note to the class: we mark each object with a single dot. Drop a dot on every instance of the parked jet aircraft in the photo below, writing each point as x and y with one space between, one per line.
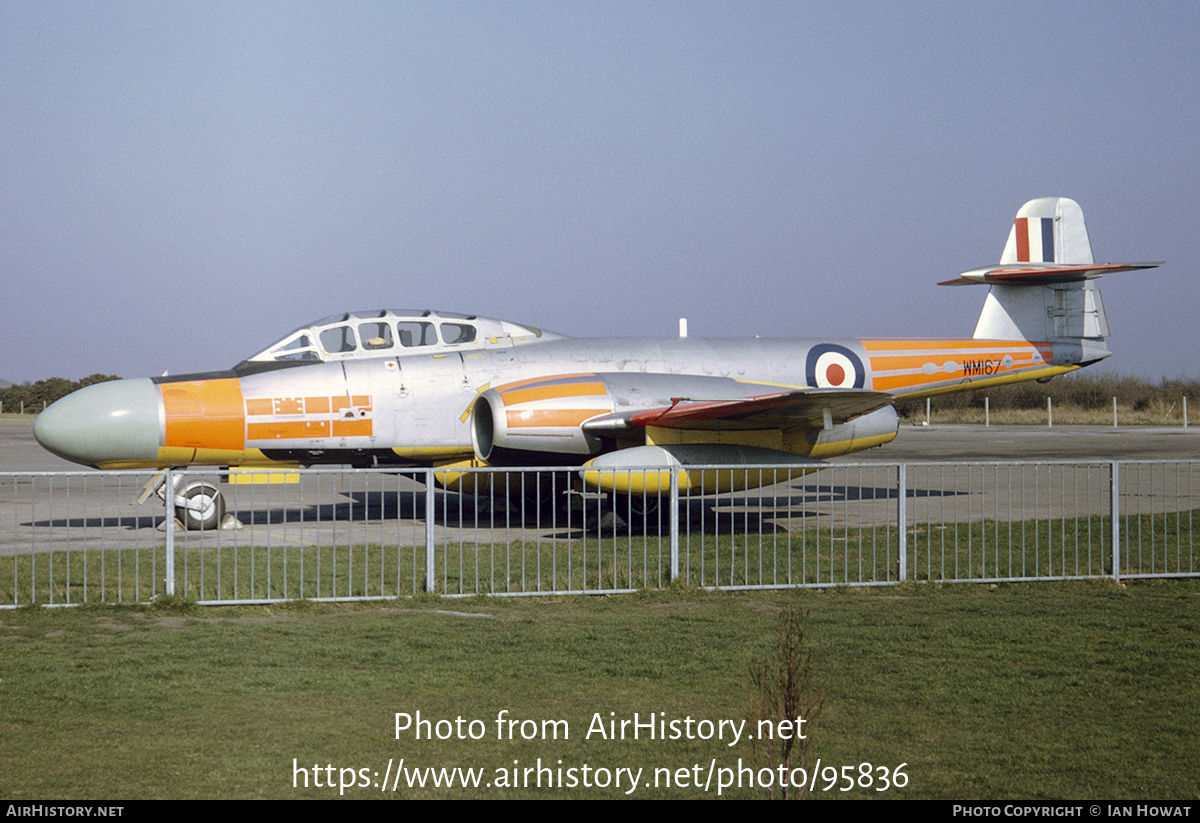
413 388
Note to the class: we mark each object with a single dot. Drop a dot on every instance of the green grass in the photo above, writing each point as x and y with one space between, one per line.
1052 690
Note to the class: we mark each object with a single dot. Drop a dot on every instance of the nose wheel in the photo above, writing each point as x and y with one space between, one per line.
199 504
202 507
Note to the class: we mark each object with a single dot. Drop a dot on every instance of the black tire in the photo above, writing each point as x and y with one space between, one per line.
205 509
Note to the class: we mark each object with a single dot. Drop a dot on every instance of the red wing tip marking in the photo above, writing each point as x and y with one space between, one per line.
1039 274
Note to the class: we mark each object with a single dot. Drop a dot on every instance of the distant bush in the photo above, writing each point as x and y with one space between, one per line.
44 392
1083 392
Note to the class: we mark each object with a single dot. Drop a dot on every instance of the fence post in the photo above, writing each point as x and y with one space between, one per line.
429 510
1114 412
1114 508
1049 414
902 521
170 530
674 526
1185 411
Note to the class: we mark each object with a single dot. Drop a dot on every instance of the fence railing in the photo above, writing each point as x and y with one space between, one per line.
328 534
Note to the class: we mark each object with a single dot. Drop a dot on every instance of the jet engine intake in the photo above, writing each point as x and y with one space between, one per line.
537 424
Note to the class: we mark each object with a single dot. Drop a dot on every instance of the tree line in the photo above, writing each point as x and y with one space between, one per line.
1088 392
1085 390
37 395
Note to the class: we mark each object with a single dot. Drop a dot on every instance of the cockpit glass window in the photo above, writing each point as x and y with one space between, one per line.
457 333
299 347
412 333
338 339
375 336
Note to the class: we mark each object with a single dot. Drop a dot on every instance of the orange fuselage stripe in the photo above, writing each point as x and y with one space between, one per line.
287 430
516 384
883 363
513 398
947 345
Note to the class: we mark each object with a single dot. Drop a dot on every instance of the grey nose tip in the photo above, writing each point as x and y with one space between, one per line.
111 422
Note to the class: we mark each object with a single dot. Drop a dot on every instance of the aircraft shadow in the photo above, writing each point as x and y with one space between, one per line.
131 522
452 510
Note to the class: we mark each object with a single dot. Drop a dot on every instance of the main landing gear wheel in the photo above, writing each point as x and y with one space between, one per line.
643 505
545 490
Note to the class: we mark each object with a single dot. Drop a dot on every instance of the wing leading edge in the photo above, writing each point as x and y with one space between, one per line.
798 408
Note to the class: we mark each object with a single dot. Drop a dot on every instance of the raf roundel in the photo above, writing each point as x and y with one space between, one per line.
834 367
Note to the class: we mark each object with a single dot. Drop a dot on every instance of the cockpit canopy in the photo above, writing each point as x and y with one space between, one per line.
396 332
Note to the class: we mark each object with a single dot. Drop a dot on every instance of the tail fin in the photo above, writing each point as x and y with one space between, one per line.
1042 289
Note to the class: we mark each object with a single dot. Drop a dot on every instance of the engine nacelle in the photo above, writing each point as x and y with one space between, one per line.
539 422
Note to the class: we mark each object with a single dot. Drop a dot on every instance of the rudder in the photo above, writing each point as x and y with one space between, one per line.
1048 230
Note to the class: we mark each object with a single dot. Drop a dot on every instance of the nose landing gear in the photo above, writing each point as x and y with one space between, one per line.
199 504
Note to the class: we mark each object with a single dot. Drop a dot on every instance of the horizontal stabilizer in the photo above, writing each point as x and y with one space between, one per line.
1020 275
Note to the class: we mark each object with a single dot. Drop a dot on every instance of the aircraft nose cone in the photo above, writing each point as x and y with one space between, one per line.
104 423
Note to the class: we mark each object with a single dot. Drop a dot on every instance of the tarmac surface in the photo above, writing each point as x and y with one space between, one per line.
958 443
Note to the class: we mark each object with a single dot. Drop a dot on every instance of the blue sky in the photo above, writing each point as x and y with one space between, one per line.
185 183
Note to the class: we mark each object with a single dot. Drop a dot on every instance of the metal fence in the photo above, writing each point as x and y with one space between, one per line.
72 538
